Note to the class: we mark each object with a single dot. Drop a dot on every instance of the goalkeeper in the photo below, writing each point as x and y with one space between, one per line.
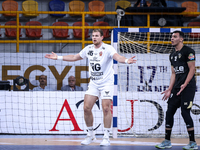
100 59
181 90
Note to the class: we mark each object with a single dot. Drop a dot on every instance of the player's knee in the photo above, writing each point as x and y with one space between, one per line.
106 109
187 117
169 122
87 109
169 119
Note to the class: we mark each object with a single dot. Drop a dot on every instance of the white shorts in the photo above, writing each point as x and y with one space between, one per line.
106 91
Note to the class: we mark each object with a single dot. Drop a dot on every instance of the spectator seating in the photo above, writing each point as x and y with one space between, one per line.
60 33
78 32
96 6
76 6
171 4
194 35
147 2
106 33
30 5
123 4
31 32
57 5
10 5
190 7
12 32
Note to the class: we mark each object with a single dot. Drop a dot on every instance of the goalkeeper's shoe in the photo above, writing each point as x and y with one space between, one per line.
105 141
89 139
191 146
165 144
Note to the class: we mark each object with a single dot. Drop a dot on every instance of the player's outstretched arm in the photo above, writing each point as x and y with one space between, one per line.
123 59
54 56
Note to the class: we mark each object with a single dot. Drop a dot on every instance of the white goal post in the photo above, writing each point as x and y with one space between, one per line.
139 106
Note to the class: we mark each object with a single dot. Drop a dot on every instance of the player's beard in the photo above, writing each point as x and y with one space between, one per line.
97 43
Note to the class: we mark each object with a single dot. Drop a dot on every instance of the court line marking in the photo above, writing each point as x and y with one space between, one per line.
121 142
6 143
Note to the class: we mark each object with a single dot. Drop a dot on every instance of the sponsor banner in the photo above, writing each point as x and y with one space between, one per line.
62 113
140 108
151 73
32 65
144 113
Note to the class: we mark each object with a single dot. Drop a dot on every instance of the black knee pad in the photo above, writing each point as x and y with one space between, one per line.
187 117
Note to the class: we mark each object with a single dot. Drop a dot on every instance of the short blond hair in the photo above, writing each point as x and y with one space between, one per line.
98 30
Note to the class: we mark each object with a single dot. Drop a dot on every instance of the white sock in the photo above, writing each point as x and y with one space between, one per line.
106 132
90 130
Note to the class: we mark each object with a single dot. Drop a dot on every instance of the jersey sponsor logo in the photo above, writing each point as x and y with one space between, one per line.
179 69
95 67
96 78
95 58
96 73
90 53
100 53
179 55
191 56
175 58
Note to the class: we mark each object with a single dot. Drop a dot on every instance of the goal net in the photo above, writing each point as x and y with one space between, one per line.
138 109
141 110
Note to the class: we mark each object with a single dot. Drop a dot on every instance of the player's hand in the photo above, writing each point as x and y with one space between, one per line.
132 60
53 56
167 94
182 88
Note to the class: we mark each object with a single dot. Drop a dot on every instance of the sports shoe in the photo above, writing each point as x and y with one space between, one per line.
192 145
105 141
89 139
164 144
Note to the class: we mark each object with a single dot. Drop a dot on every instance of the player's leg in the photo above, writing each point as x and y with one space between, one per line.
173 104
106 95
190 128
186 105
107 119
106 106
89 100
171 110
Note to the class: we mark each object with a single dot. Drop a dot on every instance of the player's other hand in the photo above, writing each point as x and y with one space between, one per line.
53 56
167 94
132 60
182 88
